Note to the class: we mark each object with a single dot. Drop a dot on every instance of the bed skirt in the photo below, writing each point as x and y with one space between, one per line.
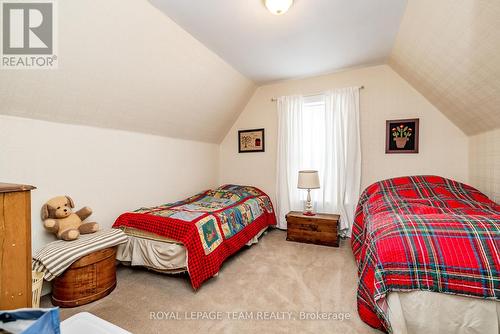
432 313
157 253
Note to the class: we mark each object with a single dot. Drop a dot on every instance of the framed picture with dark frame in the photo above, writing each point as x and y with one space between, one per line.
251 141
401 136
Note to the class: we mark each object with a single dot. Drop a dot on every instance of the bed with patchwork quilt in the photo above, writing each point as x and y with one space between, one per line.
201 231
425 234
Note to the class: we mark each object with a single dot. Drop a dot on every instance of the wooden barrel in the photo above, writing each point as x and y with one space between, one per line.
88 279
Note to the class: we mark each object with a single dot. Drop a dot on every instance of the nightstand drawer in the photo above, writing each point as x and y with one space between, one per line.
313 225
325 239
321 229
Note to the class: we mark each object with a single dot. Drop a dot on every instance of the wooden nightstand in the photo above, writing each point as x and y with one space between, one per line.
320 229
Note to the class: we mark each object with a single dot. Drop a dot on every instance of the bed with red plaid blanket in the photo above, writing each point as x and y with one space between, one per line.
211 225
424 233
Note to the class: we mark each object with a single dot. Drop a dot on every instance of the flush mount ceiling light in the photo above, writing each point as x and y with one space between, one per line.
278 7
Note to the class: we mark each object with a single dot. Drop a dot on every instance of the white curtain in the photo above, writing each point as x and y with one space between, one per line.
321 133
290 150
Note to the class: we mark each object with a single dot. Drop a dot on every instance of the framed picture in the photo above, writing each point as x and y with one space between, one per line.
401 136
251 141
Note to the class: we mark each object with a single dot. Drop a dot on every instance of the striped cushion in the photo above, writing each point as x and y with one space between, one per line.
57 256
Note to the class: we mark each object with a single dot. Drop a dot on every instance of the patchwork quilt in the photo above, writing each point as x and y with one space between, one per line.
212 225
424 233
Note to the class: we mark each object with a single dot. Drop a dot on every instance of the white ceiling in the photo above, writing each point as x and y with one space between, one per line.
314 37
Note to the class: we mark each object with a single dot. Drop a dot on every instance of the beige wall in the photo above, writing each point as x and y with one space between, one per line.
111 171
449 51
484 163
443 147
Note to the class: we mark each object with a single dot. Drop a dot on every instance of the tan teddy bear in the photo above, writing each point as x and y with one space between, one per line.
59 219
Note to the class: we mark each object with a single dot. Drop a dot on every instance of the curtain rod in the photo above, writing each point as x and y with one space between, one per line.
274 99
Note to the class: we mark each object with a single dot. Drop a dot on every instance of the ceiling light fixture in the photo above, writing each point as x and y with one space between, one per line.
278 7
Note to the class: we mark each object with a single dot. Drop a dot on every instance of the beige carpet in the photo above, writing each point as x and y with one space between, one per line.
273 276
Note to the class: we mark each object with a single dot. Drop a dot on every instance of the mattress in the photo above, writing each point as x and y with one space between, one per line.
156 252
436 313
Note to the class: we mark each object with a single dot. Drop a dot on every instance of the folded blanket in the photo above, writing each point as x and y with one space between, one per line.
57 256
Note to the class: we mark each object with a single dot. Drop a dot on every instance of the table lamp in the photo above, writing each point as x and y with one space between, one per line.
308 179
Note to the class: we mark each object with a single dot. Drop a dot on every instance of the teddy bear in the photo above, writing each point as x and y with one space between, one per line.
59 218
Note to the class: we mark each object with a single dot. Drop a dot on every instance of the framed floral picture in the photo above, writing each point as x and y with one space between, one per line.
401 136
251 141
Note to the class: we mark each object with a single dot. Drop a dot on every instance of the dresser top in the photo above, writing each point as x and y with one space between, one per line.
10 187
316 216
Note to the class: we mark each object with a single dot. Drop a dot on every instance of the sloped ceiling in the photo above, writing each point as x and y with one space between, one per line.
123 64
449 50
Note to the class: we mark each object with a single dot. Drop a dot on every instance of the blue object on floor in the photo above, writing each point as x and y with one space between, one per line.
31 321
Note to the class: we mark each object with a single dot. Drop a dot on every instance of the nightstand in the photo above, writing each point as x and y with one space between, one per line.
320 229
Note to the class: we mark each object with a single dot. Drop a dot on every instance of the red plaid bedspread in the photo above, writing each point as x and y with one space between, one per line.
211 225
424 233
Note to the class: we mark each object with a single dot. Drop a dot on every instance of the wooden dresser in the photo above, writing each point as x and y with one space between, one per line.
321 229
15 246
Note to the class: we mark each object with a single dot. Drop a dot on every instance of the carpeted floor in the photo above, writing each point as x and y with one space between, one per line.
265 281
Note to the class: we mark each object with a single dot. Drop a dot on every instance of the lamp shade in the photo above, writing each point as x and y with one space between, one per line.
308 179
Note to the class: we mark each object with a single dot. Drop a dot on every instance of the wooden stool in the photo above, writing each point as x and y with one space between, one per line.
89 279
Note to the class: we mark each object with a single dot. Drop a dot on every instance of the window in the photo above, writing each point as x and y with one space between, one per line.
320 133
313 153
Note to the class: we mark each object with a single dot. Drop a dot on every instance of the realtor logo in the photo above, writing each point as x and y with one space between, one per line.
28 30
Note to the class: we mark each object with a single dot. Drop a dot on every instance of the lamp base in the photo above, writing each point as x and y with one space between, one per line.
308 213
309 207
